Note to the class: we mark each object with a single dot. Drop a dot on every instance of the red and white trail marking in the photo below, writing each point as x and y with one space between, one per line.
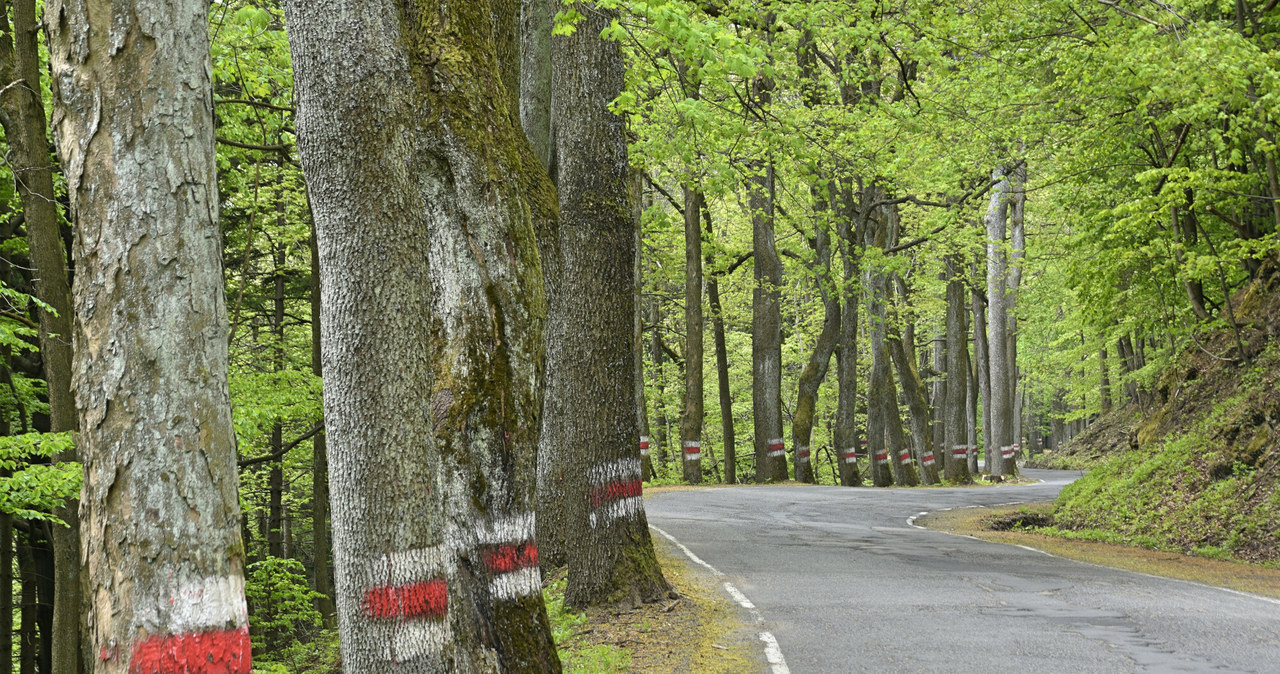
775 448
850 455
904 456
692 450
508 551
644 445
206 631
613 491
802 454
882 457
407 601
1007 451
959 451
927 459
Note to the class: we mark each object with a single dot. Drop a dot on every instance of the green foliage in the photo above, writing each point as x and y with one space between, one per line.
33 490
282 610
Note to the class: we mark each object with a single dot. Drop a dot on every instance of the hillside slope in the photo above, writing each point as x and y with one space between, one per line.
1204 477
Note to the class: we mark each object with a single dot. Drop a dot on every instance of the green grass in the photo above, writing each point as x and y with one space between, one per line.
578 656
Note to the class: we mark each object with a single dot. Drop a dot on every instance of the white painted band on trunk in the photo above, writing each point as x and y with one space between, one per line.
412 639
627 507
515 529
516 584
644 452
200 606
776 441
773 454
644 439
693 456
692 443
611 471
412 566
928 461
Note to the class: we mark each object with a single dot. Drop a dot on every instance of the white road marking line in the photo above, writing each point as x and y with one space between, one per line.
772 652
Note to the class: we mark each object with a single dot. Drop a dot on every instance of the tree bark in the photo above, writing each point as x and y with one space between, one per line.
1000 374
956 426
766 332
845 435
320 547
815 370
435 222
1104 389
25 126
275 522
536 19
692 405
592 499
730 451
160 516
637 327
1018 249
981 368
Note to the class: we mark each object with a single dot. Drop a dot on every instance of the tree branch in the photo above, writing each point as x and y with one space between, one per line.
1116 6
665 194
256 104
250 146
277 455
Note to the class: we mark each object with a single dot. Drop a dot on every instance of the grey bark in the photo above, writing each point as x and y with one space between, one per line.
766 335
23 119
637 328
956 426
434 222
320 546
845 435
692 405
160 512
1000 373
722 360
1018 249
815 370
981 366
589 465
536 19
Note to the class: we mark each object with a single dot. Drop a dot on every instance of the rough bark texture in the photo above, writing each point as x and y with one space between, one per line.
955 426
429 210
692 405
815 370
589 464
536 19
722 370
845 435
637 327
320 546
1000 374
1018 249
160 517
981 366
914 392
766 335
23 118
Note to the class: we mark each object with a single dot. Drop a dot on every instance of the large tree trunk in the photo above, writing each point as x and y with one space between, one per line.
815 370
913 390
981 366
691 417
956 426
320 546
23 118
1018 249
536 20
591 499
999 452
845 435
430 213
161 515
766 335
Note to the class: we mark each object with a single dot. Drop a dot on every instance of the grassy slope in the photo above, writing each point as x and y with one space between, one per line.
1205 478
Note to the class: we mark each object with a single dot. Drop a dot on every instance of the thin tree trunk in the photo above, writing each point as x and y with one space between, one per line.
658 439
815 370
161 502
23 119
637 328
722 359
6 588
981 367
766 335
845 435
28 639
1018 248
275 523
1105 388
590 425
435 224
320 545
692 406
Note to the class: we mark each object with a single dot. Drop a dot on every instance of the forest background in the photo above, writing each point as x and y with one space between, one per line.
1048 201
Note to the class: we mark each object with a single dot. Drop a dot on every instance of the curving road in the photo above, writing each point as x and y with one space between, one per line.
843 583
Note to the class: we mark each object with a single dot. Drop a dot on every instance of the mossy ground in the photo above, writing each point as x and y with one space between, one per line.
698 633
1017 525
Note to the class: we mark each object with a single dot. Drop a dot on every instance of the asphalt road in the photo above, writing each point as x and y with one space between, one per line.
845 584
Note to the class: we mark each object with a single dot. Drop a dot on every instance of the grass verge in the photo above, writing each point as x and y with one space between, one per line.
1016 525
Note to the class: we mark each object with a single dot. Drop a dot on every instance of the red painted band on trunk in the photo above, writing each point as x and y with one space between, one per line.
692 450
862 443
644 445
928 456
904 455
958 453
803 454
224 652
881 456
614 491
849 456
426 599
510 557
774 448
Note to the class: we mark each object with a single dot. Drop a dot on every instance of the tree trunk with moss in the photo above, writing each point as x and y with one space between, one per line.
637 338
766 335
845 435
590 488
955 407
815 370
692 405
999 374
160 517
429 207
25 126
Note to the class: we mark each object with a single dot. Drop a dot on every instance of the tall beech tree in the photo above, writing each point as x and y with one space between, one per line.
161 537
692 406
429 205
22 116
589 492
